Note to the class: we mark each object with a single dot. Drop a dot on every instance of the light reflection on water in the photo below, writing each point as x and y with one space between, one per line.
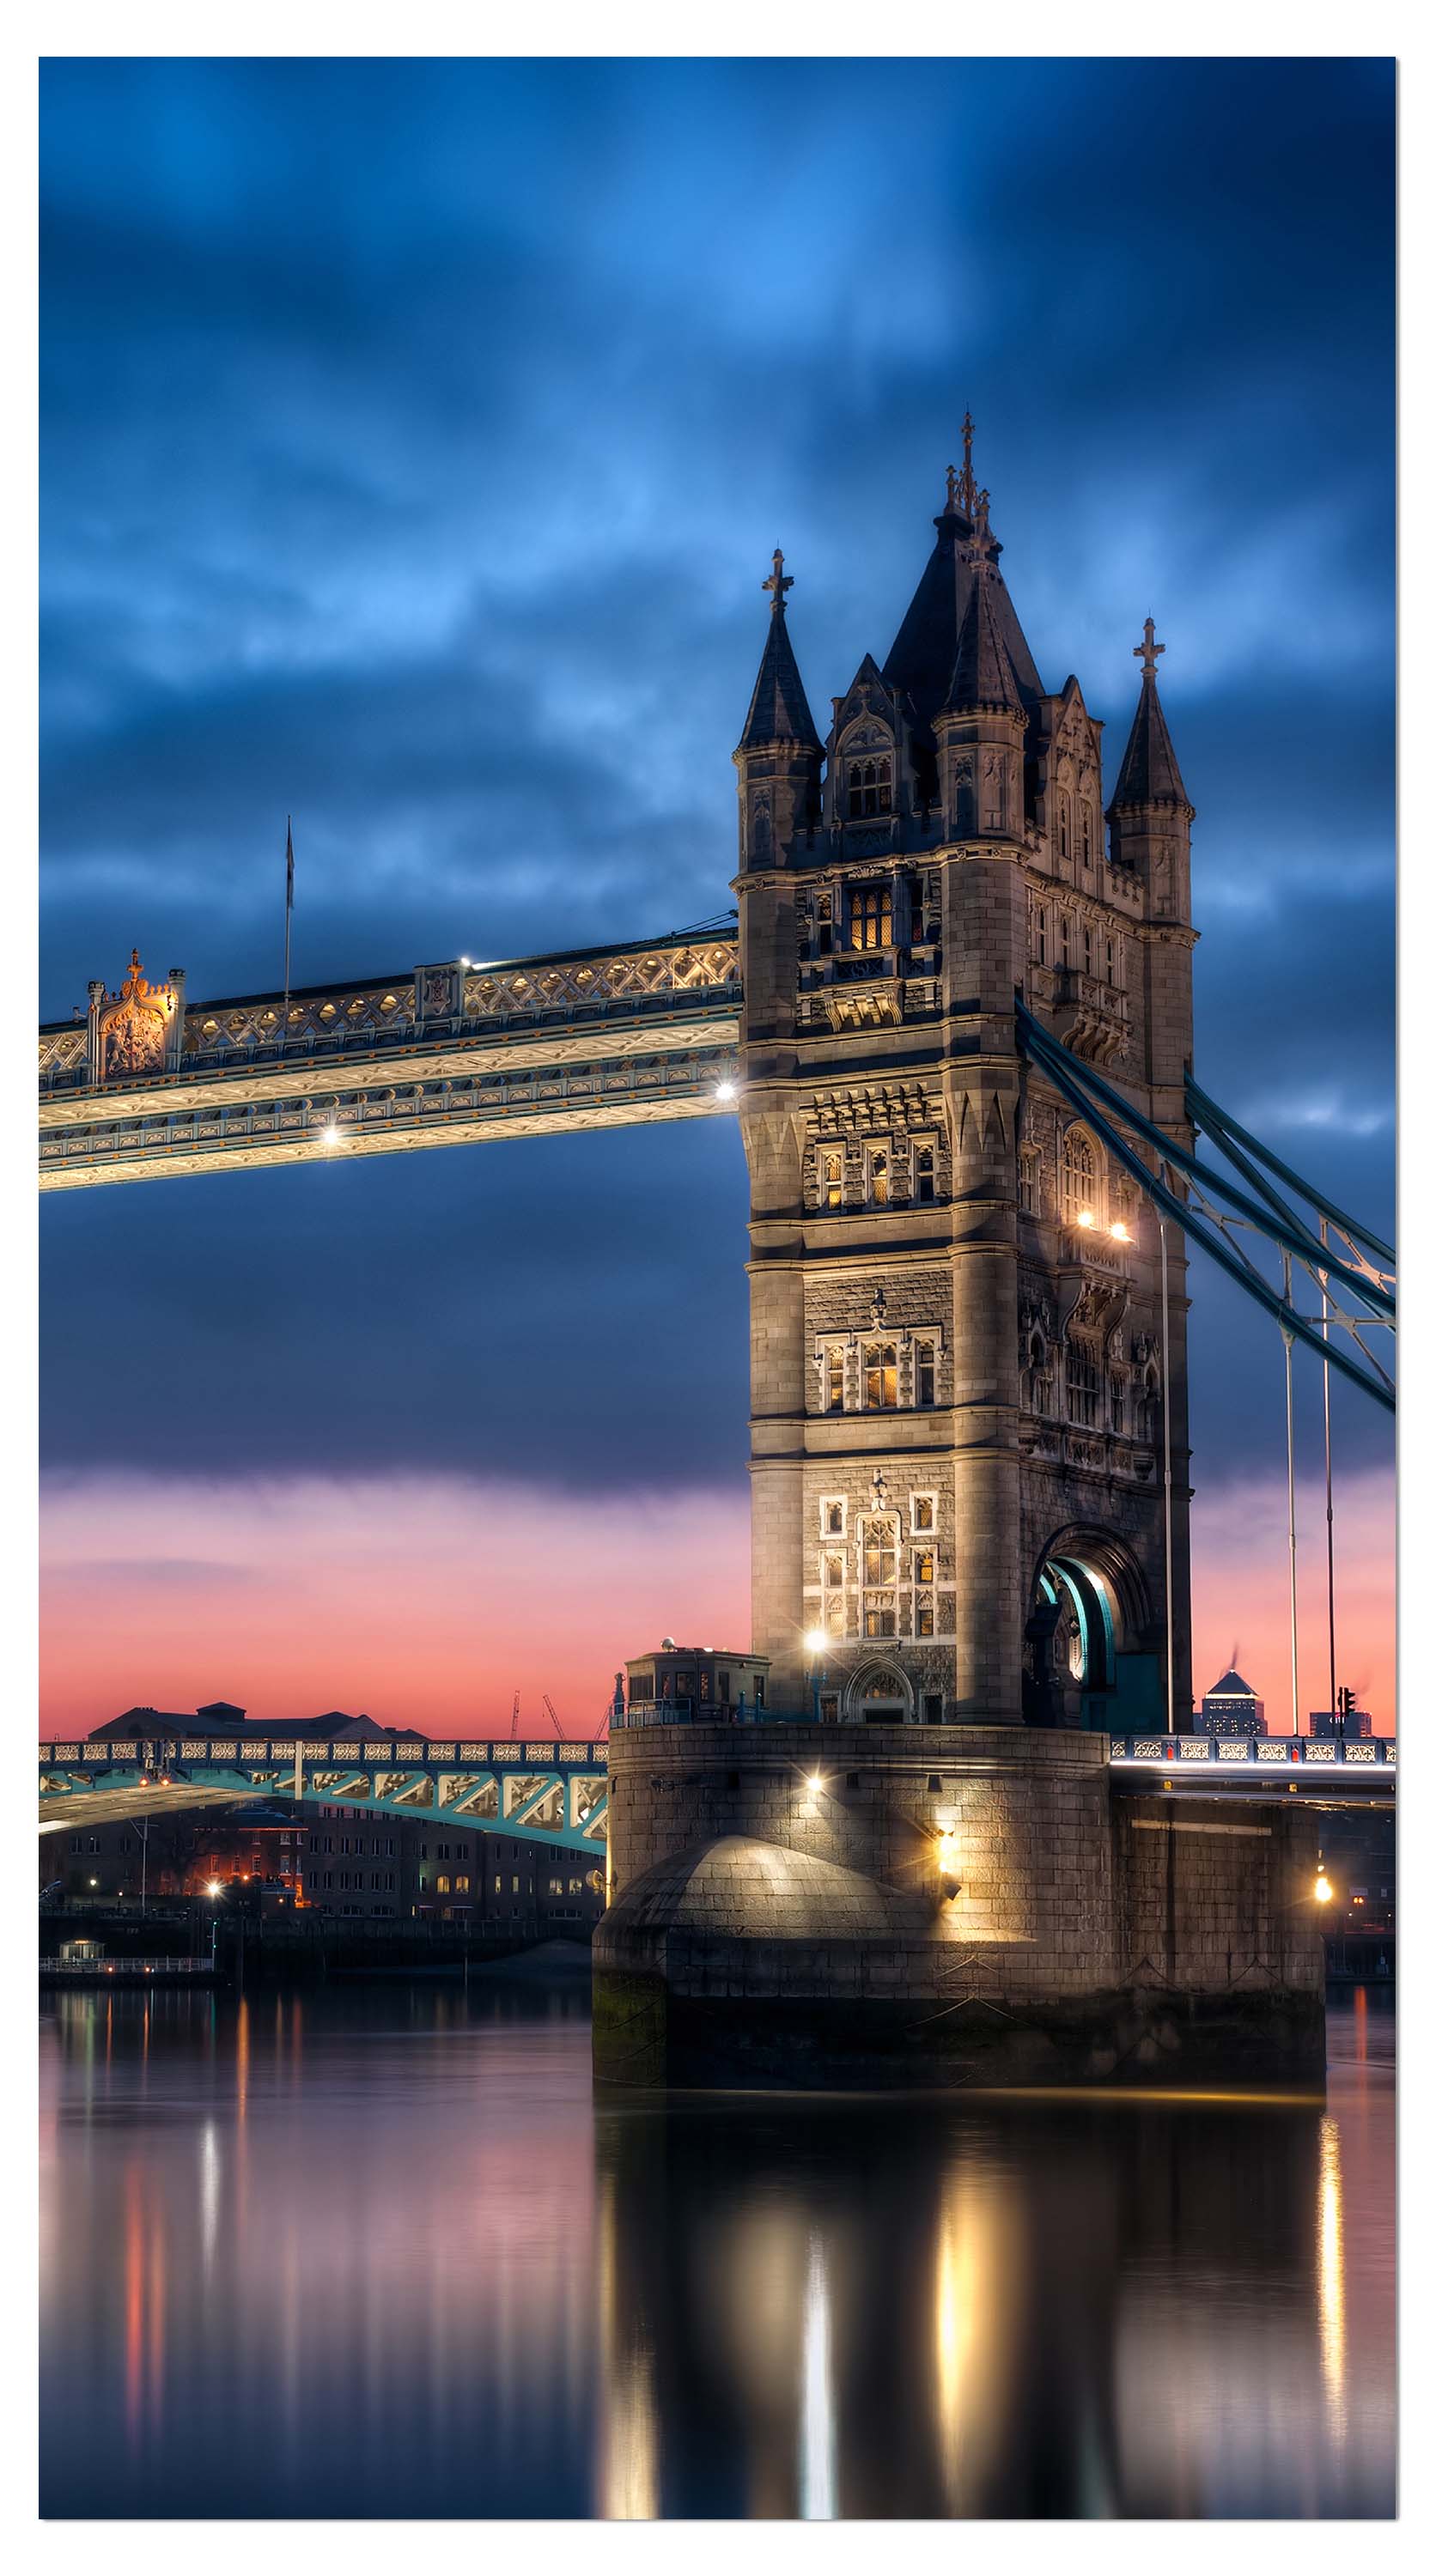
374 2251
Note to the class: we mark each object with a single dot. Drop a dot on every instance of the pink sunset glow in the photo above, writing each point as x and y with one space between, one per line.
426 1602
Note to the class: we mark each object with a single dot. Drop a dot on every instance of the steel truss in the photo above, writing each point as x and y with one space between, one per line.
1228 1218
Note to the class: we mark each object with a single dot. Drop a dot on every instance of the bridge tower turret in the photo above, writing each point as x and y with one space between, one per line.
955 1339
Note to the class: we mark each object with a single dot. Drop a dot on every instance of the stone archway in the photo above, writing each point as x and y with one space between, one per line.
879 1694
1088 1657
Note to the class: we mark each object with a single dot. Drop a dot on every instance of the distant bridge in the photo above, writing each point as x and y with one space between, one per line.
548 1792
145 1087
1314 1767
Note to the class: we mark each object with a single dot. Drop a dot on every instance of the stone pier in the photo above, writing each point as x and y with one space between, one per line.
809 1906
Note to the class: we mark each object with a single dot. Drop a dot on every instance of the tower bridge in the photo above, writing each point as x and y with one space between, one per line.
954 1022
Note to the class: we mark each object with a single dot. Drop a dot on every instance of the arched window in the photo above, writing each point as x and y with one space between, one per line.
870 786
1064 828
1079 1178
1086 834
830 1180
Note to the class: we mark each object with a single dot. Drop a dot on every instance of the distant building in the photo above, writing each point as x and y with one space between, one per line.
1231 1707
1354 1724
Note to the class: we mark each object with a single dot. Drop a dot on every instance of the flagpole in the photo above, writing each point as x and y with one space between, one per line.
288 915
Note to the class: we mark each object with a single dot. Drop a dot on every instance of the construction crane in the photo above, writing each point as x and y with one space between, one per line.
559 1735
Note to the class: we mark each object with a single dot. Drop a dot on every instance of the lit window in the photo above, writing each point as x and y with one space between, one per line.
835 1381
880 1553
870 788
922 1615
878 1179
872 917
879 1375
880 1615
442 1884
922 1566
831 1184
924 1515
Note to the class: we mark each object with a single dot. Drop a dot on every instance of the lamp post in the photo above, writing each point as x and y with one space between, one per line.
816 1645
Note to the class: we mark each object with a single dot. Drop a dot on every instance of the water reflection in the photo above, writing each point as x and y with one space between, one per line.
375 2252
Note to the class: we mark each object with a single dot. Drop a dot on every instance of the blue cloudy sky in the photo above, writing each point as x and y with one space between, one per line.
414 438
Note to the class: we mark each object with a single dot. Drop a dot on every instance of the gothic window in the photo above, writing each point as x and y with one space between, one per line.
833 1518
1111 961
879 1177
871 917
924 1512
1086 834
880 1553
925 1374
1083 1385
825 925
833 1572
870 787
924 1174
1086 948
879 1615
1042 934
994 792
1064 828
922 1621
1079 1178
879 1375
1036 1389
1065 928
922 1565
1119 1405
1029 1168
830 1184
833 1396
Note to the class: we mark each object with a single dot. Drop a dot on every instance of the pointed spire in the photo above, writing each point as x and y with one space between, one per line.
982 673
920 664
1149 774
778 710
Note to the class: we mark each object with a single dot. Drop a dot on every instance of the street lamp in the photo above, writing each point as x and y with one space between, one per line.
212 1887
1323 1890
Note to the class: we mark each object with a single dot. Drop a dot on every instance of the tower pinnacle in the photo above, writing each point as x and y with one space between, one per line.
1146 652
778 582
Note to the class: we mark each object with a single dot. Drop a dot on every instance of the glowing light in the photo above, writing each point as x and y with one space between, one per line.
94 1882
463 961
211 1887
1322 1890
1121 1233
1085 1217
330 1137
726 1091
947 1854
815 1779
816 1640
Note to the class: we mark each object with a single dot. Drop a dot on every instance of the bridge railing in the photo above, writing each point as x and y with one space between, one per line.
158 1753
1276 1751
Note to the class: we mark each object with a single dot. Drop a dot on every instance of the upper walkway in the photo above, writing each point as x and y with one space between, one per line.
147 1085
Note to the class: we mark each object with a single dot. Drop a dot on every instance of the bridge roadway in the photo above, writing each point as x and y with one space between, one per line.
452 1054
558 1793
548 1792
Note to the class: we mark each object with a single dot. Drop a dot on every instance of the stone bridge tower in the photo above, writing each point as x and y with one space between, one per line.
955 1305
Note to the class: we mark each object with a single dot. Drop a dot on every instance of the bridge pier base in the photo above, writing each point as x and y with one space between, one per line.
809 1906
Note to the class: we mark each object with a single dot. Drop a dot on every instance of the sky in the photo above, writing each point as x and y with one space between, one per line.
415 436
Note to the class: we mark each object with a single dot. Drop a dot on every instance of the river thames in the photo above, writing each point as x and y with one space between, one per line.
375 2249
